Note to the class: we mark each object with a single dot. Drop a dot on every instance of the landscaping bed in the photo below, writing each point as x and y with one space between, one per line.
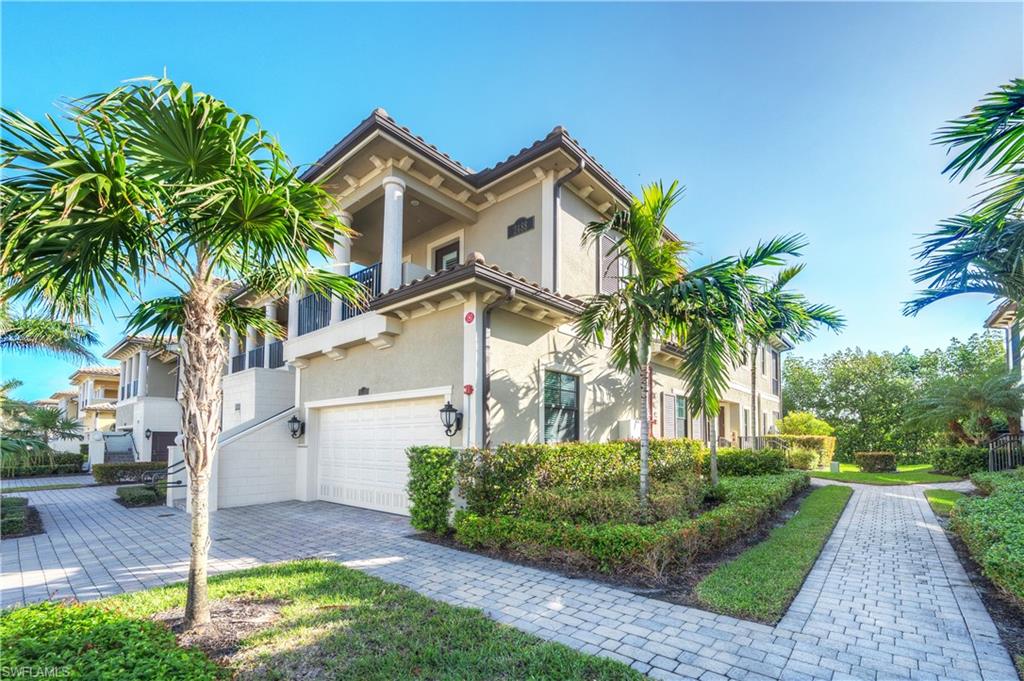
135 496
18 519
38 465
305 619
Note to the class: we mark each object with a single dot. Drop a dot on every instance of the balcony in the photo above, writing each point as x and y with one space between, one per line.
255 357
315 309
238 363
276 355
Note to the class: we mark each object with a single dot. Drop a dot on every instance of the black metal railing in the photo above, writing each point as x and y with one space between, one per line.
255 357
135 388
759 442
1005 452
276 355
315 309
238 363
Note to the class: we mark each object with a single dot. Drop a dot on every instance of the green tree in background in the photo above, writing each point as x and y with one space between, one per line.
804 423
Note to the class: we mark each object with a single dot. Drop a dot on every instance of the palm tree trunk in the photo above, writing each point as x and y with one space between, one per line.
713 427
203 359
645 419
753 392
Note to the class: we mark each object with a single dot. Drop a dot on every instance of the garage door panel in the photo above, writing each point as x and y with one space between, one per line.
362 460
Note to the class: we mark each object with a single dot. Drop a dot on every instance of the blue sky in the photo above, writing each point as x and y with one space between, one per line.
778 118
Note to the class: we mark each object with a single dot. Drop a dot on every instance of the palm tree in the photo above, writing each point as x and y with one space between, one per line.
154 180
982 251
49 423
659 300
788 317
951 402
25 333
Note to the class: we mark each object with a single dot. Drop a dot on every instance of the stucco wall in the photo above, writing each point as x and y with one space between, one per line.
521 350
162 379
428 353
258 467
255 394
154 413
577 262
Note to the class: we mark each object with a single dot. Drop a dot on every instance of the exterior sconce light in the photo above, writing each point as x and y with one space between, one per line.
297 427
451 419
149 433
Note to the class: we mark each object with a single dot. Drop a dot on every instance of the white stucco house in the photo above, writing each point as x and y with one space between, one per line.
475 280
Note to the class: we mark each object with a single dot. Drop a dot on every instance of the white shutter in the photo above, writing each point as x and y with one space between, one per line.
668 415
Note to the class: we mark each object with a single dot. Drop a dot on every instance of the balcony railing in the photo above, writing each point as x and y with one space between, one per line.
315 309
256 357
276 355
135 388
1005 452
238 363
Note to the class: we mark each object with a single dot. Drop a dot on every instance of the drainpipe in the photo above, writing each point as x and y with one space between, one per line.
507 298
554 222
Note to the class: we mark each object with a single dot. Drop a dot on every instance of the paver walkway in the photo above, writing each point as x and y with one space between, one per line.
13 484
887 599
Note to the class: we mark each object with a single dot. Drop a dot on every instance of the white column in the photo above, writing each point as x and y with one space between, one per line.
232 342
342 263
143 373
123 381
135 373
293 312
250 343
391 247
270 312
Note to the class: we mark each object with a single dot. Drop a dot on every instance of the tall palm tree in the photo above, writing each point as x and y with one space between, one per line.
658 300
155 180
27 333
786 316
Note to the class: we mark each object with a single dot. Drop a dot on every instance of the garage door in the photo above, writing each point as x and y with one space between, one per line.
362 460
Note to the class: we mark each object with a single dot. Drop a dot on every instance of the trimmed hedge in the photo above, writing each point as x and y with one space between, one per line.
496 480
959 461
670 499
57 463
644 550
733 461
113 473
138 496
431 478
875 462
992 527
824 445
13 513
801 459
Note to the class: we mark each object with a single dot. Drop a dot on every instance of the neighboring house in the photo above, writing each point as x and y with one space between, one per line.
97 396
1005 317
475 280
65 401
146 399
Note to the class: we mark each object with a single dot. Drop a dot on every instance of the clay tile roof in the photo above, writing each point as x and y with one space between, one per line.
96 370
102 406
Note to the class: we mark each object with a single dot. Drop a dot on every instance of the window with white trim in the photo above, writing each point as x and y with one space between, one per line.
561 407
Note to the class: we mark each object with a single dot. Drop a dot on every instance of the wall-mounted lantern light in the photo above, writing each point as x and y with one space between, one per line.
297 427
451 419
149 433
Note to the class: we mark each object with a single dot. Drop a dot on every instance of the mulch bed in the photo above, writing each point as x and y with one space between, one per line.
33 524
676 587
233 621
1006 613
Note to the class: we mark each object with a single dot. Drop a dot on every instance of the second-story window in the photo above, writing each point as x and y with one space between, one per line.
446 256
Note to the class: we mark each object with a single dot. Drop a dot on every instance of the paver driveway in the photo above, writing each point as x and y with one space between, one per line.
887 599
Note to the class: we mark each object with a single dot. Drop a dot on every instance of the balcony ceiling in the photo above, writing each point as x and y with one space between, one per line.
417 220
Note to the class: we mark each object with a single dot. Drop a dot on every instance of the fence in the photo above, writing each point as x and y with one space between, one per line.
1006 451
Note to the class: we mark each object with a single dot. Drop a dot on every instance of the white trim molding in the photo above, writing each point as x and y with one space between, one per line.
444 391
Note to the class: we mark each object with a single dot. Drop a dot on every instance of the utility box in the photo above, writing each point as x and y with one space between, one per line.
835 467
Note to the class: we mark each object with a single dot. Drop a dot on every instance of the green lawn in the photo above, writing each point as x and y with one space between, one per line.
335 623
42 488
904 475
942 500
763 580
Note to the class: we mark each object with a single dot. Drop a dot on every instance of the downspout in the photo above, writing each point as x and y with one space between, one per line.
580 167
485 376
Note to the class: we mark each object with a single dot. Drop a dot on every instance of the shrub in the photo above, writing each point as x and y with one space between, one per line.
496 480
959 461
88 642
749 462
802 459
875 462
137 495
824 445
804 423
112 473
431 479
671 499
992 527
44 463
630 548
13 511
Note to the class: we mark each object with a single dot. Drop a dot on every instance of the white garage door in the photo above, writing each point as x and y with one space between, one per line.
362 459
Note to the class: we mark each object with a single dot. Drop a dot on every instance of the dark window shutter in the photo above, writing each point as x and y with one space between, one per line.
668 415
608 272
